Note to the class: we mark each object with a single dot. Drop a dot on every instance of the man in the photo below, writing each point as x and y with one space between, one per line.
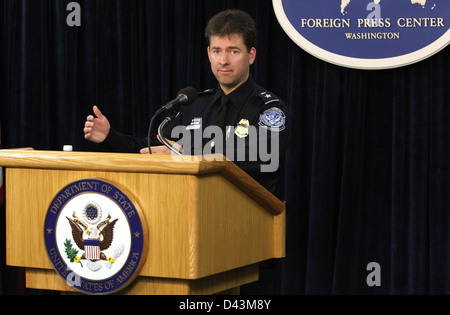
239 107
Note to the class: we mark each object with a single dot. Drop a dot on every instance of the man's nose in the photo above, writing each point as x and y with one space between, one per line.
224 59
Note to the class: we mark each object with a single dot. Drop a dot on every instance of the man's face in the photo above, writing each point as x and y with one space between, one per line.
230 61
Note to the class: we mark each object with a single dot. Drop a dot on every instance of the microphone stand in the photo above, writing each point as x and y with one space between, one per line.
166 121
149 133
161 136
185 96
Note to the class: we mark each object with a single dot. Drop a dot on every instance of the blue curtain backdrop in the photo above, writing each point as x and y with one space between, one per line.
368 176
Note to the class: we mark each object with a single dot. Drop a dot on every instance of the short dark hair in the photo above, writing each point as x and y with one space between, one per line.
230 22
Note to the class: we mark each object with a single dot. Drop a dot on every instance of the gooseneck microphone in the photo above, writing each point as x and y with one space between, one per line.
185 97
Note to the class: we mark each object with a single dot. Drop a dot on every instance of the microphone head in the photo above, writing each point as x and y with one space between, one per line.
189 95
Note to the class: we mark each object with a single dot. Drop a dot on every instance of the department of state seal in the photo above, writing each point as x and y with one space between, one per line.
95 237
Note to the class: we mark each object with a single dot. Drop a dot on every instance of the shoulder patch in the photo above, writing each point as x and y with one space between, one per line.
268 97
273 119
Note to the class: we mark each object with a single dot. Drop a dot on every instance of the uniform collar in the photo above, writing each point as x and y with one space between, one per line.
239 95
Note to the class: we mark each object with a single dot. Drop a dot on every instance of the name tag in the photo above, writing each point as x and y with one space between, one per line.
196 123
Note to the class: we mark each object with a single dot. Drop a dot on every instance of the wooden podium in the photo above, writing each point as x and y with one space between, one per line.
208 223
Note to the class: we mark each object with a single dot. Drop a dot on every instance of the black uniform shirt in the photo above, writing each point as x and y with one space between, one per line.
251 109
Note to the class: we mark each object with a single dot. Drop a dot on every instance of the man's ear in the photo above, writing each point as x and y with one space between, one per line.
209 54
252 54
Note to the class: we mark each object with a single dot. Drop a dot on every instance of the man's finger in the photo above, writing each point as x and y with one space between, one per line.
161 149
97 111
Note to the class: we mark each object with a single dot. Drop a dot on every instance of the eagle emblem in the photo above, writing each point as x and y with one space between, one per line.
92 237
273 119
95 237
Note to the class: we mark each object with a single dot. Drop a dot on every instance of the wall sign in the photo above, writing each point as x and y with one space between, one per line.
367 34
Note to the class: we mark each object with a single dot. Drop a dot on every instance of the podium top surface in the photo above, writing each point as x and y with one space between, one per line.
141 163
120 162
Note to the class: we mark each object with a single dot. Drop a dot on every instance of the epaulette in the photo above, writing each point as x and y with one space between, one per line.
268 97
